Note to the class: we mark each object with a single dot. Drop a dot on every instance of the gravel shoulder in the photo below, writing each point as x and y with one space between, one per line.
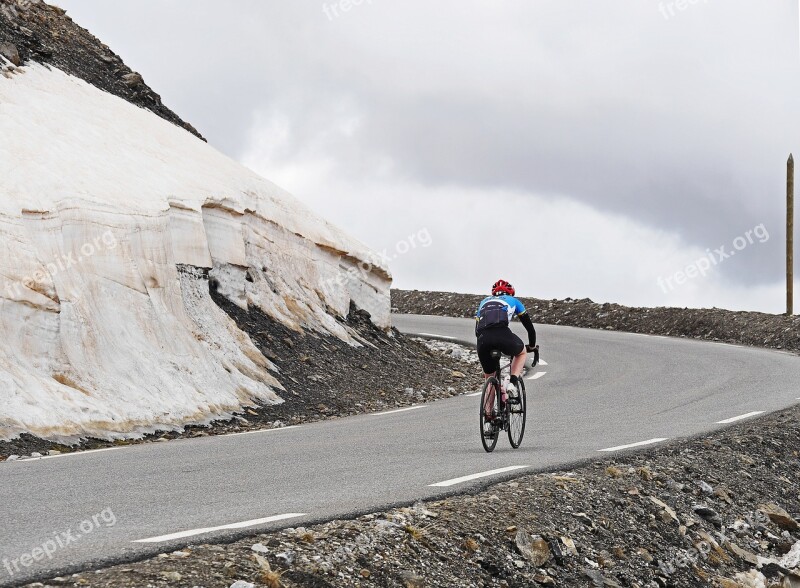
742 328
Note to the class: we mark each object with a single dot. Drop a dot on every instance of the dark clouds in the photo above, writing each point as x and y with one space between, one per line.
682 124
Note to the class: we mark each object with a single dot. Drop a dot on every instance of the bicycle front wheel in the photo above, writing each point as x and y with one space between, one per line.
490 417
517 410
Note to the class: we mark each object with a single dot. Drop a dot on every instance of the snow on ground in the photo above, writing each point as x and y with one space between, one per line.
106 211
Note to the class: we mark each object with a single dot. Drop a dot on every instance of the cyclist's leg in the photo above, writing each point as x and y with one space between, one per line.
518 363
513 346
490 365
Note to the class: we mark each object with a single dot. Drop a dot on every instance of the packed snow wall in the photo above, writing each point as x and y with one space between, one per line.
112 221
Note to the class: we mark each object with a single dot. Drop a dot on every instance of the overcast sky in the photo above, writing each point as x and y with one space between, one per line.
581 148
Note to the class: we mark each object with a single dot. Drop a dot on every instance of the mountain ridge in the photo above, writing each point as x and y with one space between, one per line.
44 33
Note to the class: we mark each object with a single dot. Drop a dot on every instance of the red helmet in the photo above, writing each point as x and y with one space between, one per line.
503 287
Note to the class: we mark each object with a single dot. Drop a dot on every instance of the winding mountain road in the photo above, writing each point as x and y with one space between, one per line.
600 392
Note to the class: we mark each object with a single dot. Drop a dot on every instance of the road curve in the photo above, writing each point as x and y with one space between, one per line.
599 391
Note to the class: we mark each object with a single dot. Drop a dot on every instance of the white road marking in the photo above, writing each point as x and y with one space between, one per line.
74 453
455 481
242 525
260 431
639 444
481 392
740 417
398 410
538 375
542 362
437 336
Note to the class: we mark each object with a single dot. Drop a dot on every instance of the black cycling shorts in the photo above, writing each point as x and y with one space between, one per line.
500 339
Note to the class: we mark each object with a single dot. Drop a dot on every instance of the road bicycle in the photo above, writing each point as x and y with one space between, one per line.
497 416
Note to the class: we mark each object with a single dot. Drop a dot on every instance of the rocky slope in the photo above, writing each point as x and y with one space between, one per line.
743 328
34 31
721 510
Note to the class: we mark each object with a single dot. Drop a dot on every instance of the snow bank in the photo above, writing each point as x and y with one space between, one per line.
109 216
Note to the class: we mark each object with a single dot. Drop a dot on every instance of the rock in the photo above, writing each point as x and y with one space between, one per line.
412 580
705 487
584 518
751 579
557 551
133 79
260 548
667 509
742 554
676 486
534 549
595 576
180 554
457 374
645 554
544 579
242 584
172 576
723 494
570 546
779 516
10 52
12 458
708 514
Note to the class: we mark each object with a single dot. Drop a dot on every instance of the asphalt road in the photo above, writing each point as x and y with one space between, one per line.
599 391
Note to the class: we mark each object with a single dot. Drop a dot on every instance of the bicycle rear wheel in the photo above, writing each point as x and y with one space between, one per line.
490 417
516 416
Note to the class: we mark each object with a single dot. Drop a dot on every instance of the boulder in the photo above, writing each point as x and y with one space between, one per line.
779 516
10 52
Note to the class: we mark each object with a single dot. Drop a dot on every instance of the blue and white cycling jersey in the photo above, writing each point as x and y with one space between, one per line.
496 311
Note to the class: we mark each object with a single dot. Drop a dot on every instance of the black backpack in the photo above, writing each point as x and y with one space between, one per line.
493 314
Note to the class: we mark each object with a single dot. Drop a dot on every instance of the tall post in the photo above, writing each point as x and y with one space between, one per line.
790 236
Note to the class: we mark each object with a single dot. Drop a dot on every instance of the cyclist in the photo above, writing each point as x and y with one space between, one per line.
491 328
